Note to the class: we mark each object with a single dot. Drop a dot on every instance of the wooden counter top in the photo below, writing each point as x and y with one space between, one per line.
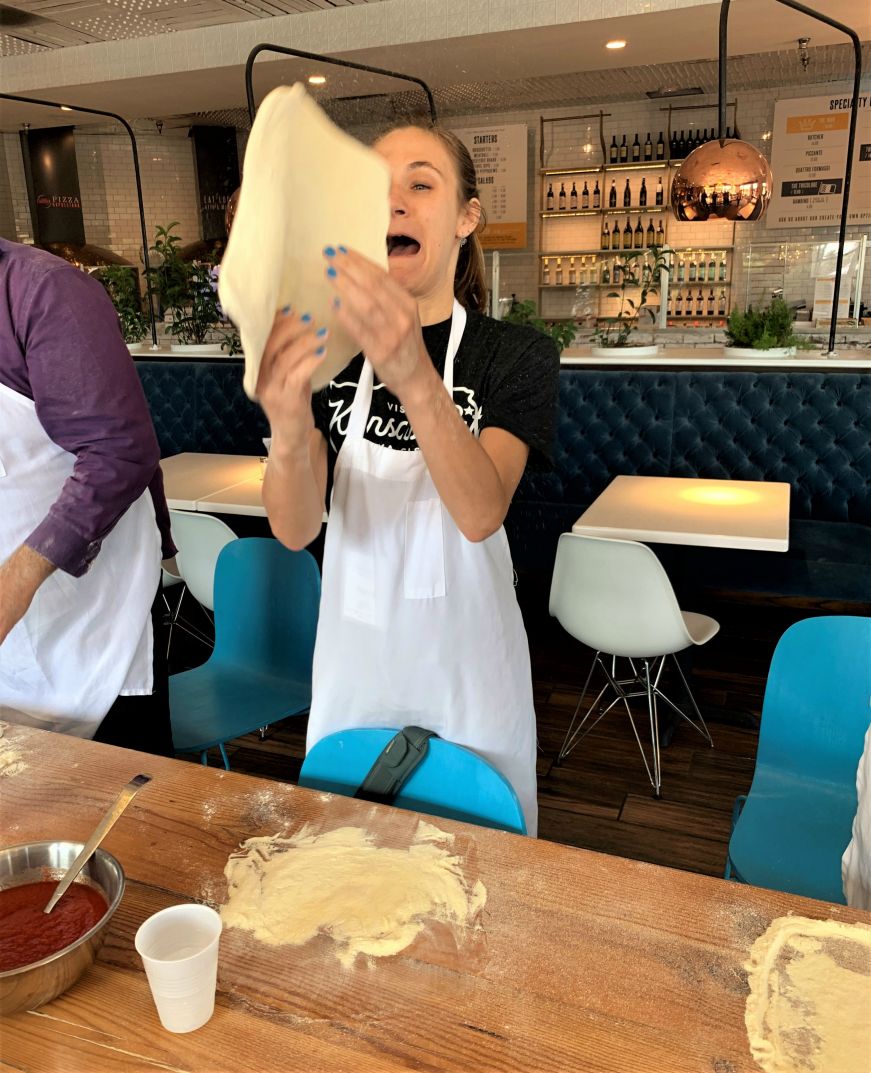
585 962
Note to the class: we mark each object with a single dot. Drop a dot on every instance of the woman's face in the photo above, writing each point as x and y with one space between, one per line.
427 219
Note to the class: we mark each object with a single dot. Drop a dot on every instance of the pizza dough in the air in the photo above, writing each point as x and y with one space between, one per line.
306 185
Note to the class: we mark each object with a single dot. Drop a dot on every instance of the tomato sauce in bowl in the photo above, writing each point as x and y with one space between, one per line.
27 934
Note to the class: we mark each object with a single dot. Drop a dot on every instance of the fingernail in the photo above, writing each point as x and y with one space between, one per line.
321 332
343 249
286 310
329 251
321 350
331 272
305 318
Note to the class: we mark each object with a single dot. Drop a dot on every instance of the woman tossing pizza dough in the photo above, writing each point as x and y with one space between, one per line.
430 428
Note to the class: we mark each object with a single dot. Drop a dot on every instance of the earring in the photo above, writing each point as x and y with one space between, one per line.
462 242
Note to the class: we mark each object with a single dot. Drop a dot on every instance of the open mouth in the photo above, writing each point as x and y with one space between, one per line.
402 246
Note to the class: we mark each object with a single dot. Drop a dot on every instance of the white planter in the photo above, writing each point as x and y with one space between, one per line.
196 348
143 347
749 352
625 351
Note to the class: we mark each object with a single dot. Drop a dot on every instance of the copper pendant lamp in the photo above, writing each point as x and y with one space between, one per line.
729 179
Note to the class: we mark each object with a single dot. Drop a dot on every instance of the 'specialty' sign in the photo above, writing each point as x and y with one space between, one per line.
809 159
499 155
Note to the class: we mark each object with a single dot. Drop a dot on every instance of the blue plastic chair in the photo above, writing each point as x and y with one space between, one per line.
266 614
451 781
791 831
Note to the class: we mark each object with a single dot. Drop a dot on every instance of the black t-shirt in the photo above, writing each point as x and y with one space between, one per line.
505 376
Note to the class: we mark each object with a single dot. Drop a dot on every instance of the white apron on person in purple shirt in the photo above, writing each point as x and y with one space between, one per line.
419 625
84 641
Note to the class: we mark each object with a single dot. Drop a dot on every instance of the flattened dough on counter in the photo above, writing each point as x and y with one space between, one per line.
306 185
809 1007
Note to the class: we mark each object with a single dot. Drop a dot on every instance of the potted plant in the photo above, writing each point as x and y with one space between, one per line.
122 286
185 290
613 333
562 332
766 332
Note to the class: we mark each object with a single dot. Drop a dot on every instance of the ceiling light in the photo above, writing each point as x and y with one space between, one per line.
65 108
615 44
316 80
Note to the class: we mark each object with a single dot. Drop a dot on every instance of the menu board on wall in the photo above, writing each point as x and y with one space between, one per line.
499 154
808 161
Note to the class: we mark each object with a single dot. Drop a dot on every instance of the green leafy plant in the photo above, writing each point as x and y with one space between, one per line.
765 328
122 287
643 275
525 312
184 289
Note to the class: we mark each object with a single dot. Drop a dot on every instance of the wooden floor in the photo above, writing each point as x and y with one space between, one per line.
600 797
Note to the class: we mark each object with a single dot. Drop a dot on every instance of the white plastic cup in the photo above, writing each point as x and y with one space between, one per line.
179 949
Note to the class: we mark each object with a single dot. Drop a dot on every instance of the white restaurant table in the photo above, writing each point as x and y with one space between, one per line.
223 484
680 510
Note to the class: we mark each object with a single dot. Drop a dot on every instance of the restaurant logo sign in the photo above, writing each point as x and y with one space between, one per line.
217 164
58 201
53 186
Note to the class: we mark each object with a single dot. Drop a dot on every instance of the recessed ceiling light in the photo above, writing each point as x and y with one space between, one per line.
65 108
615 44
316 80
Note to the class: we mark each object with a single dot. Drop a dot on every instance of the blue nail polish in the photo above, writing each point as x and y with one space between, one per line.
336 303
343 249
331 272
286 310
321 350
321 332
329 251
305 318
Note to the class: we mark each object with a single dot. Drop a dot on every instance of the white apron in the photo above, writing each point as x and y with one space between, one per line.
83 640
418 625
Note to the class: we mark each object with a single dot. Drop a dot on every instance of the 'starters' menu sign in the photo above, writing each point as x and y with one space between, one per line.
499 154
809 158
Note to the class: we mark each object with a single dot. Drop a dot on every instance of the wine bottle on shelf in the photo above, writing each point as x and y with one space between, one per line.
692 269
651 234
669 306
642 193
712 269
612 195
615 275
573 278
728 132
558 274
705 137
648 147
562 197
550 197
573 198
624 151
721 304
672 146
605 241
681 271
681 146
700 305
627 235
606 273
722 267
678 304
627 195
660 147
660 235
638 239
585 196
659 191
636 149
712 302
545 272
597 196
615 235
613 152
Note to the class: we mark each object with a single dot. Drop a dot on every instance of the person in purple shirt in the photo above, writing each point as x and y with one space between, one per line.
83 517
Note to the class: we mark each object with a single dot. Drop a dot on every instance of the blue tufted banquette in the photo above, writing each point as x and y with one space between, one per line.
810 429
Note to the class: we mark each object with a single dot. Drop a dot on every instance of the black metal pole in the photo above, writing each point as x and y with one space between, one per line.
851 138
136 172
255 52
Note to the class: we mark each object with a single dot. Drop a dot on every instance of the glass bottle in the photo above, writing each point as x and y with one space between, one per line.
712 269
711 303
659 192
597 196
615 236
648 147
605 241
638 238
562 197
723 267
606 273
678 304
700 304
642 193
627 235
573 278
627 195
721 304
585 196
573 198
613 152
558 275
624 151
612 195
636 149
660 147
651 234
681 271
692 275
545 272
550 197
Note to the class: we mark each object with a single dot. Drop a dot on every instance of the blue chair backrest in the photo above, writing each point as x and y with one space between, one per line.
818 699
266 607
451 781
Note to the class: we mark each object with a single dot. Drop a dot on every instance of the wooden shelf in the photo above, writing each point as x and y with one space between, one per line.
571 171
641 165
557 213
635 210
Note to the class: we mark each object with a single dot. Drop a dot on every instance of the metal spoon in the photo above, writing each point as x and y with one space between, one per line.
102 829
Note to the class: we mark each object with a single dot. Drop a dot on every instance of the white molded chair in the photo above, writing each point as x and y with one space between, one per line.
200 538
615 597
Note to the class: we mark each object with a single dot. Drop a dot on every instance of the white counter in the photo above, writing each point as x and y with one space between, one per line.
702 357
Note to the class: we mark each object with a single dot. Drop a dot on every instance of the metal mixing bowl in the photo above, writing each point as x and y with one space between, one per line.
30 986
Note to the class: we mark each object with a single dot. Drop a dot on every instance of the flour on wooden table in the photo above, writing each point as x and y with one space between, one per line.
10 758
369 899
808 1007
